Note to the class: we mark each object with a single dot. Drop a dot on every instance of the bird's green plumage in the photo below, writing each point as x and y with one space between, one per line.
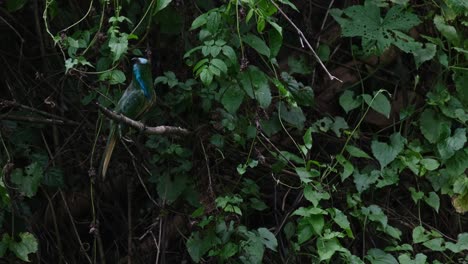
136 100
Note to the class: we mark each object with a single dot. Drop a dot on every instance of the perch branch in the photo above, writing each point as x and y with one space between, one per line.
303 40
158 130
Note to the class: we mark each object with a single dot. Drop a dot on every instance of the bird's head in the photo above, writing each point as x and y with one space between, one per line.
142 75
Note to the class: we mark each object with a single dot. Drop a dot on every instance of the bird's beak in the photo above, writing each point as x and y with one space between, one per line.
135 60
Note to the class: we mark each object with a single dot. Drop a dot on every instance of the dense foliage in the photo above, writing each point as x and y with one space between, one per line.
321 131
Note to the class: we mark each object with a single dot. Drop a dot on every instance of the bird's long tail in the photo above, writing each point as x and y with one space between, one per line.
112 139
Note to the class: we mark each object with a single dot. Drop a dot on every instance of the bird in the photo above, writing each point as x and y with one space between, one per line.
137 99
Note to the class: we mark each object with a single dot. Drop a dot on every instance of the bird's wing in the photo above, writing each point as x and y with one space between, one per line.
132 103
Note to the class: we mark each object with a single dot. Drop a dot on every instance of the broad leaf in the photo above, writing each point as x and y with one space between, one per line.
257 44
268 238
432 125
326 248
26 246
356 152
118 46
348 101
161 4
386 153
433 201
450 145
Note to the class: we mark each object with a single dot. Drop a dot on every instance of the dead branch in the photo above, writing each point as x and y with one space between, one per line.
158 130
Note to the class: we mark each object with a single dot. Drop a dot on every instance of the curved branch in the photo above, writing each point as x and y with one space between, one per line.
158 130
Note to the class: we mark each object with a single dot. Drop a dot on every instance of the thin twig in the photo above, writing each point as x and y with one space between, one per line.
30 119
158 130
72 221
303 39
210 184
129 217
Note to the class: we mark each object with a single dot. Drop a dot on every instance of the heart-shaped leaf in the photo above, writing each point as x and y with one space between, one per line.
386 153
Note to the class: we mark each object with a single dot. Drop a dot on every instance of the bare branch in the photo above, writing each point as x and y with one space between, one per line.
158 130
30 119
303 40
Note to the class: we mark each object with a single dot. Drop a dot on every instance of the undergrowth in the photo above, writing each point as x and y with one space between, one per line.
319 132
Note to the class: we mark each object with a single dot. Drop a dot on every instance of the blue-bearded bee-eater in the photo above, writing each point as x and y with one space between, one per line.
135 101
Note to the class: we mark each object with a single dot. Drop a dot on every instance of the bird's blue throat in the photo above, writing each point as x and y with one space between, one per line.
139 78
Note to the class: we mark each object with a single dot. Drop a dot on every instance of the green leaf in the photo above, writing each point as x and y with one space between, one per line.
378 256
199 21
430 164
326 248
268 238
170 188
276 39
308 138
287 2
309 211
229 250
206 76
461 79
229 53
299 65
255 83
232 99
419 259
348 167
257 204
219 64
114 77
15 5
422 55
433 201
29 181
26 246
160 5
449 32
304 231
416 195
435 244
461 245
293 115
4 244
342 221
382 105
323 52
197 246
315 196
386 153
263 95
363 181
458 163
377 33
450 145
348 102
432 125
339 124
257 44
375 214
356 152
317 222
118 46
420 235
306 175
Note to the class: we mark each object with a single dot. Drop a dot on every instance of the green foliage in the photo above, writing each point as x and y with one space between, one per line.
378 34
275 170
21 249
